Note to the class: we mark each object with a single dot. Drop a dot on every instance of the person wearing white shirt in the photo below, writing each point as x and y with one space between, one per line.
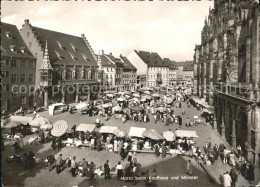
119 169
227 179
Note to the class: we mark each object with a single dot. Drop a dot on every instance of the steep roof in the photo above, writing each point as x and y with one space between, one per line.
151 59
11 38
128 64
65 49
187 65
105 61
117 61
170 62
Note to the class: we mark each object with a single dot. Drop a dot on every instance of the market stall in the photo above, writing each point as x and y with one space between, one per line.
169 135
136 132
186 134
108 129
86 127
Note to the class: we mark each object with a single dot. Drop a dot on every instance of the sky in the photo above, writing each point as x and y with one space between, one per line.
169 28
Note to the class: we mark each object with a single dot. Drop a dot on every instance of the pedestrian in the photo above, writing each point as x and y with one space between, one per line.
156 151
130 157
180 121
59 143
163 151
53 144
30 160
250 174
233 176
134 173
99 146
119 169
58 164
107 170
216 150
51 161
147 181
227 179
189 168
25 161
221 150
21 144
232 158
116 146
73 167
239 149
92 143
84 165
35 106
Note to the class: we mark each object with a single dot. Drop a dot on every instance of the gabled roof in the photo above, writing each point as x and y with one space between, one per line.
105 61
117 61
14 41
65 49
127 63
187 65
170 62
151 59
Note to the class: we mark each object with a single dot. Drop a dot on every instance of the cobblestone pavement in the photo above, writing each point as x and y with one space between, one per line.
13 174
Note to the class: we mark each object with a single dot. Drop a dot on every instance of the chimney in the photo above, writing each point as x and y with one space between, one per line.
102 52
83 35
111 54
121 55
26 22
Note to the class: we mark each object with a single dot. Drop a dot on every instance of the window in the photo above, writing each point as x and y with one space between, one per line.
31 64
5 73
4 104
60 45
31 77
107 69
13 63
22 77
73 47
5 87
23 100
14 78
58 54
23 64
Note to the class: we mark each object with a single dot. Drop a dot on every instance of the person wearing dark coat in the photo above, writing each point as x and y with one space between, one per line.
128 169
58 164
122 153
84 165
51 161
30 159
180 121
233 176
99 147
25 161
42 137
163 151
59 143
53 144
107 170
216 151
251 174
156 151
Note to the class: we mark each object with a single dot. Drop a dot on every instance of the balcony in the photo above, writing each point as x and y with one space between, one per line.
241 90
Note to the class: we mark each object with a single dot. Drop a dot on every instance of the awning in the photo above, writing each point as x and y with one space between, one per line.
108 129
21 119
81 105
86 127
136 132
184 133
169 135
206 111
110 95
153 134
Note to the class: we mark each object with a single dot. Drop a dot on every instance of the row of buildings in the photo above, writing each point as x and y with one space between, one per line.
226 73
41 66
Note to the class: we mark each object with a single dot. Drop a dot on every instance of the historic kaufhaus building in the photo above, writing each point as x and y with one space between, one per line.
226 72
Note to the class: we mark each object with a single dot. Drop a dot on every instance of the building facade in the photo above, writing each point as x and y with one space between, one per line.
129 77
226 69
185 73
18 70
172 81
151 66
74 65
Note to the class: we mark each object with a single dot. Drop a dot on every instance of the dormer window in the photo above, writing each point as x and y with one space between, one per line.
12 48
85 57
8 35
60 45
23 50
73 47
73 57
59 55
